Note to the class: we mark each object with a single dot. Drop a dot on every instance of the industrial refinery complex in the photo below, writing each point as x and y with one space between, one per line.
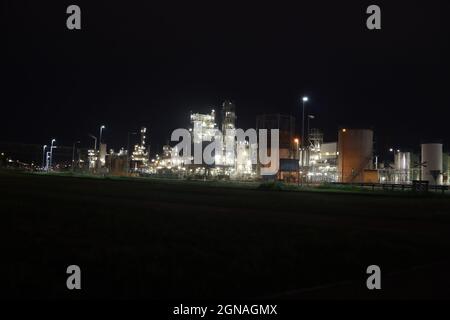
305 158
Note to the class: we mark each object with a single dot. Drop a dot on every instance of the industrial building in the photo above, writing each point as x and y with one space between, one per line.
351 159
116 162
430 165
321 162
231 161
140 156
288 145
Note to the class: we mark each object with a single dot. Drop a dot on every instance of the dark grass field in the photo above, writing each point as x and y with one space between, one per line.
167 239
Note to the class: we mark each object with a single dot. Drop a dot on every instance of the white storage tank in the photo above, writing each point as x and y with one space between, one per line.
432 163
402 167
402 161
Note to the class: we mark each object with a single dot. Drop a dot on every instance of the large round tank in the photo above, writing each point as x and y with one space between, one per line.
432 163
402 161
355 152
402 167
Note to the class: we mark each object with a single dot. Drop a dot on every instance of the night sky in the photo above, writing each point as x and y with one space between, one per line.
149 64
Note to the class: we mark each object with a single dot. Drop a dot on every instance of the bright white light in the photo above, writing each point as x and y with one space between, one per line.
305 98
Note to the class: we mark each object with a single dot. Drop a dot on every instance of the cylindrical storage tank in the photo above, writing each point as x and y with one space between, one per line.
355 152
402 161
446 168
432 163
102 153
402 167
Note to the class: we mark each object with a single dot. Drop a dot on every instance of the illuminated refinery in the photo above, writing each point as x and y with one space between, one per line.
307 160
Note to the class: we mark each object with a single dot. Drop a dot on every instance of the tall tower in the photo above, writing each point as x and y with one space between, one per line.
228 116
228 132
139 157
143 131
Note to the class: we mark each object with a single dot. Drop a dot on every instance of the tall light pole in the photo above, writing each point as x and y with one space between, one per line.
95 148
99 162
342 155
73 153
43 156
296 141
51 154
304 100
47 160
100 139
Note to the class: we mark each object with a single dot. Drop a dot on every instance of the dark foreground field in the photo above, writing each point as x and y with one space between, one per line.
165 239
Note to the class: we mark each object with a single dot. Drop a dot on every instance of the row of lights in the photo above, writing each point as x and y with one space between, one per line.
47 161
48 165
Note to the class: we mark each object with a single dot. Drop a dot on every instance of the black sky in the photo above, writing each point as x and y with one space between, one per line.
151 63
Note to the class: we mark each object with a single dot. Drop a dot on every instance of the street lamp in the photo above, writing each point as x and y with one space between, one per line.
296 141
342 156
47 160
95 150
304 99
393 152
73 153
99 161
51 154
43 156
100 139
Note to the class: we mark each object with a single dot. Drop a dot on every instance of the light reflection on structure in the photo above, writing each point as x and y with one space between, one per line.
322 159
140 155
231 161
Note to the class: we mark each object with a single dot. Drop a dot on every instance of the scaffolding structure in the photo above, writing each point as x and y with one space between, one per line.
321 161
140 155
